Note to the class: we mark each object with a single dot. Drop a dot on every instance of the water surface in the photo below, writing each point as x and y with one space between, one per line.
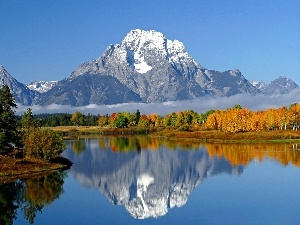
134 180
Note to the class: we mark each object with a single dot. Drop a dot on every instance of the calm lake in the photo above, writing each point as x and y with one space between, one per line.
138 180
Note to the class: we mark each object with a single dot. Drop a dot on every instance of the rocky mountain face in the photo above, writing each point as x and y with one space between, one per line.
21 93
149 183
144 67
86 89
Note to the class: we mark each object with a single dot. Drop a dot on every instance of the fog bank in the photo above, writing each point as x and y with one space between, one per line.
259 102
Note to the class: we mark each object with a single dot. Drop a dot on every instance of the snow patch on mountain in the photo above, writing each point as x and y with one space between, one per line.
41 86
258 84
142 67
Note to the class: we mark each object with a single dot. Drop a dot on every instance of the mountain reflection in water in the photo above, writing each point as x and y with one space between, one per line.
148 176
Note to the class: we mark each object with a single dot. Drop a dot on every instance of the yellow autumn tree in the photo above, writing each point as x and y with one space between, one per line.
294 116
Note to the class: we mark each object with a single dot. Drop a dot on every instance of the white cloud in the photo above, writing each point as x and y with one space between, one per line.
259 102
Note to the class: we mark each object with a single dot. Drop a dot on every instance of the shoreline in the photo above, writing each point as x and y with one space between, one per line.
195 135
12 169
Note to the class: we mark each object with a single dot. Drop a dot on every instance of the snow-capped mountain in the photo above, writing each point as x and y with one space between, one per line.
149 183
159 69
21 93
146 67
152 66
41 86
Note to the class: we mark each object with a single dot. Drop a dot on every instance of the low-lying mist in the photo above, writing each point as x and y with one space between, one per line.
259 102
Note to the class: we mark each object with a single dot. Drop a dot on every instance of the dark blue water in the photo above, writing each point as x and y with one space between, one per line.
138 181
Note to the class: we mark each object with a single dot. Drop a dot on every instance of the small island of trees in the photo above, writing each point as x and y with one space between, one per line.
24 139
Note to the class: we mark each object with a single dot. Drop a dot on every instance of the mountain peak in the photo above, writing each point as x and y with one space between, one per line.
2 69
142 45
151 39
281 85
21 93
4 74
283 78
154 46
141 37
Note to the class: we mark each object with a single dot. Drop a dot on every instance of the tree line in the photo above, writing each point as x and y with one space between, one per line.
62 119
231 120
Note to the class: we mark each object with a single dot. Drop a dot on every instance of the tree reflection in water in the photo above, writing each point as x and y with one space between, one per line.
237 154
78 146
243 154
30 195
8 201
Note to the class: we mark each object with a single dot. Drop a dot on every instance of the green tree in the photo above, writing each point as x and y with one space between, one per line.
9 136
121 121
137 116
27 120
78 119
170 119
237 106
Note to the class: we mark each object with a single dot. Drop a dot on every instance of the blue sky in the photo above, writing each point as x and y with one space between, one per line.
47 40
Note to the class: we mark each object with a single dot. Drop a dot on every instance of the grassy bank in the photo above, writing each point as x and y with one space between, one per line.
221 137
194 134
74 131
12 169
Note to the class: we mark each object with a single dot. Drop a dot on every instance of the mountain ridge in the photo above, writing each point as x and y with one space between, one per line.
145 67
22 94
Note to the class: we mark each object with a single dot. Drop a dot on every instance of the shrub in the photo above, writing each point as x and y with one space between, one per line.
184 127
44 144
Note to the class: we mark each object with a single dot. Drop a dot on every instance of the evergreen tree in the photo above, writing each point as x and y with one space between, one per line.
137 117
9 137
27 120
